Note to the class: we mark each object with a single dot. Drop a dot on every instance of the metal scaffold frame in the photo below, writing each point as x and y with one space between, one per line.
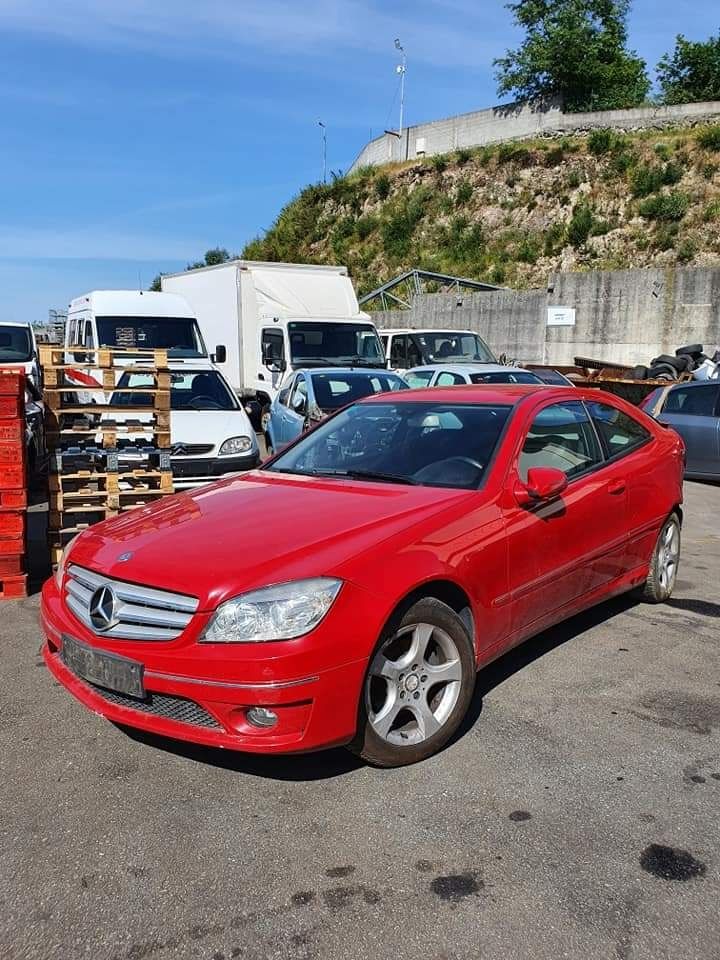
412 283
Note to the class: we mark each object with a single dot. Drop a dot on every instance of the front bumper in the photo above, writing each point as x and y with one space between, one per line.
316 708
189 472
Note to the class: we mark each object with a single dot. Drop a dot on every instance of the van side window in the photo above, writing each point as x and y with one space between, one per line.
398 352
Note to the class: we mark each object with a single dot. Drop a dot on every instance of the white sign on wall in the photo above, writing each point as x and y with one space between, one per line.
561 316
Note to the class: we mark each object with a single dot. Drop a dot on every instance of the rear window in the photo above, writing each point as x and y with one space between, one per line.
693 401
333 390
619 432
501 376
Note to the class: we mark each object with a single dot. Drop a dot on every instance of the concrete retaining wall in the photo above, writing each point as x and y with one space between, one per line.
518 121
628 316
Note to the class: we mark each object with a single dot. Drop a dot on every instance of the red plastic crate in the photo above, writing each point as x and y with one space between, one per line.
13 499
12 383
12 476
12 548
12 431
12 588
12 408
11 567
12 453
12 525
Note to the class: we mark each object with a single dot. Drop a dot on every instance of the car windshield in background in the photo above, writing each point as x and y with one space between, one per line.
200 390
335 390
335 345
178 335
430 444
500 376
15 345
453 348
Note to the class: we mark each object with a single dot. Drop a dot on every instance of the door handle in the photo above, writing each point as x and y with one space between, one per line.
616 487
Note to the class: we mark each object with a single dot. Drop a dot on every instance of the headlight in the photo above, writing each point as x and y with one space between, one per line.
236 445
60 572
281 612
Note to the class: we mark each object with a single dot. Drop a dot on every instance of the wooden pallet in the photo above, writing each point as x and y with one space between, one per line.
110 490
103 357
56 378
93 460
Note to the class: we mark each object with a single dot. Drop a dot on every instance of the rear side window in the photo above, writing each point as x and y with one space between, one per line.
560 436
692 401
620 433
421 378
447 379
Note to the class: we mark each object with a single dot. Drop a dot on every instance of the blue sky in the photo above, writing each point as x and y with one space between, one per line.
138 133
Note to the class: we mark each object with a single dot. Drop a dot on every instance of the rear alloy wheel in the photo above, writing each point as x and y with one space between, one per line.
417 688
664 563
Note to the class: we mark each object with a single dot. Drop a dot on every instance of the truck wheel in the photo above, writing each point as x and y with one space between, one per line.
664 564
418 687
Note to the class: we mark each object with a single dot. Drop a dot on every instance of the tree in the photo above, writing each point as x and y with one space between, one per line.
692 72
575 50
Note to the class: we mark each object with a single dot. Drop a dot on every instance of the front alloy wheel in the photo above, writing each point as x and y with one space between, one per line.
417 688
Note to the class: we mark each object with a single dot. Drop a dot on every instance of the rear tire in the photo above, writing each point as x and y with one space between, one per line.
664 564
417 688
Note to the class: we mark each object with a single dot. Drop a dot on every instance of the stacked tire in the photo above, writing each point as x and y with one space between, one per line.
670 368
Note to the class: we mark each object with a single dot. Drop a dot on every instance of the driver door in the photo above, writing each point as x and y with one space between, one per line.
295 412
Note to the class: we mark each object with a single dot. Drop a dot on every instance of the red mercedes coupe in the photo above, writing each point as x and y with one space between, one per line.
348 591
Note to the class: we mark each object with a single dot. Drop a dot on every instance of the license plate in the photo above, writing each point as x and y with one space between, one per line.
104 669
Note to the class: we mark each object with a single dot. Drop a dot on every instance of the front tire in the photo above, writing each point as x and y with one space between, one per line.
664 564
417 688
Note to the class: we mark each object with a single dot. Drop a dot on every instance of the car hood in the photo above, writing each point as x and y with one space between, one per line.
208 426
254 530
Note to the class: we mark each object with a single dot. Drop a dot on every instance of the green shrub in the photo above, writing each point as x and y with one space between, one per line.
709 138
672 174
668 206
364 226
580 225
645 180
687 250
344 228
665 236
623 160
509 152
573 179
662 150
462 156
498 273
463 193
382 186
439 162
709 170
712 211
554 240
528 250
601 141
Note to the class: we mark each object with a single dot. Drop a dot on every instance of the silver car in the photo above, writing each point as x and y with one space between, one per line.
693 410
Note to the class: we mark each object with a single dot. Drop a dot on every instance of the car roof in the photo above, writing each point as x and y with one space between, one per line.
503 394
348 371
468 368
443 330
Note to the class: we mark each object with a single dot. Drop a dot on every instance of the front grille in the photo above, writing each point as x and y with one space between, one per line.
140 613
191 449
162 705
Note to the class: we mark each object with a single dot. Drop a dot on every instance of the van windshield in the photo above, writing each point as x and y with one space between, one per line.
15 345
334 344
453 347
178 335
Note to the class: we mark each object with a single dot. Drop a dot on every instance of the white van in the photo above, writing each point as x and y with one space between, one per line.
19 349
406 348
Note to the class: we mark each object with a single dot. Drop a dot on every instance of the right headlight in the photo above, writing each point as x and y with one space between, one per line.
60 572
280 612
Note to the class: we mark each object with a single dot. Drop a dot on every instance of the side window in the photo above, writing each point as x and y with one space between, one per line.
560 436
414 357
383 341
447 379
298 396
619 432
284 395
398 350
421 378
692 401
272 345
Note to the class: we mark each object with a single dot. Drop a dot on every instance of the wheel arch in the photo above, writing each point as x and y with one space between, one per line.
446 591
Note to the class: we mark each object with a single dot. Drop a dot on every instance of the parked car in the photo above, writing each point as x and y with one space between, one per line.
348 591
308 396
210 431
406 348
448 375
693 410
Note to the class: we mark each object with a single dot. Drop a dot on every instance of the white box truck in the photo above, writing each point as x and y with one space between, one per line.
271 317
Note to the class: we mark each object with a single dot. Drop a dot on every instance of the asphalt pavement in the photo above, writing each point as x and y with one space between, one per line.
576 814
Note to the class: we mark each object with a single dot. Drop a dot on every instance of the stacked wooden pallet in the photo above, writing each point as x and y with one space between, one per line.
110 455
13 486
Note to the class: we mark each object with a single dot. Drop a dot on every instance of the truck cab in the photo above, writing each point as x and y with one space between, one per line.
19 349
406 348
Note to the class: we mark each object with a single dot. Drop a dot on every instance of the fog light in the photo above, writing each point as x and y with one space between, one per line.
262 717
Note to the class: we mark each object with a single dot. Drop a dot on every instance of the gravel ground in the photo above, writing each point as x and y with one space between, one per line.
575 816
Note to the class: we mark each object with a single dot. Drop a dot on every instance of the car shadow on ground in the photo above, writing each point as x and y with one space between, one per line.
330 764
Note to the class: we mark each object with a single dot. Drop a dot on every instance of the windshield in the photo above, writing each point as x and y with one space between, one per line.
178 335
335 344
334 390
189 390
503 376
453 347
431 444
15 345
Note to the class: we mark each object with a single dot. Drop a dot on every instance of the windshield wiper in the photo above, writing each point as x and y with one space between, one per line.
377 475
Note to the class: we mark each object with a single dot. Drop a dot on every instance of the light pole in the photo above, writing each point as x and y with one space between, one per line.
324 149
401 68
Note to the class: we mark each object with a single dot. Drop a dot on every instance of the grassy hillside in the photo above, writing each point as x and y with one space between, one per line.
515 212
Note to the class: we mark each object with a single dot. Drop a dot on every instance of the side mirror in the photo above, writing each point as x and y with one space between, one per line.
220 355
543 483
299 404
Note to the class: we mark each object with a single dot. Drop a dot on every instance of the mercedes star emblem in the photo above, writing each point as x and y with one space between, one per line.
102 609
124 557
